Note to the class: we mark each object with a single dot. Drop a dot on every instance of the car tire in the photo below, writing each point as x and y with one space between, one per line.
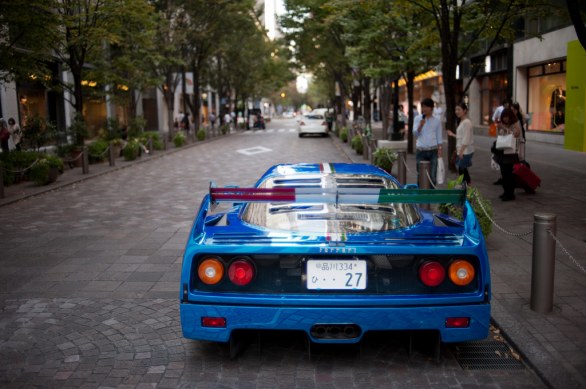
300 135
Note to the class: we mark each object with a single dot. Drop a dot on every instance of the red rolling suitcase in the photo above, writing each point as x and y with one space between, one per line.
525 178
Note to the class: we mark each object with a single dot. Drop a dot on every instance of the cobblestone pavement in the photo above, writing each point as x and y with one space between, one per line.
89 288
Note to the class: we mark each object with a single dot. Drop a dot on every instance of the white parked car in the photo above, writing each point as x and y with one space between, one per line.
313 122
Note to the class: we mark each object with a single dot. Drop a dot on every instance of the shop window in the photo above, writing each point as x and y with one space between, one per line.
547 97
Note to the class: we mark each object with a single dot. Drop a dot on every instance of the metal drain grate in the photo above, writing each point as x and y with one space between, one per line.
486 355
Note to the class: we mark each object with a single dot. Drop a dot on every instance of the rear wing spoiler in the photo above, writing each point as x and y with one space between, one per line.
338 195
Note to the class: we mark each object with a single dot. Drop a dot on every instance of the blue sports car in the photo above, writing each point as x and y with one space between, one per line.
335 251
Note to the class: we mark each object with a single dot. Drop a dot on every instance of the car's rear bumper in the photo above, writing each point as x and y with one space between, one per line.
312 130
305 319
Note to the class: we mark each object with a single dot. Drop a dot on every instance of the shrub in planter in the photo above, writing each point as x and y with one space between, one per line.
344 135
356 144
225 128
201 134
131 150
15 165
97 150
179 139
46 170
482 207
384 158
154 136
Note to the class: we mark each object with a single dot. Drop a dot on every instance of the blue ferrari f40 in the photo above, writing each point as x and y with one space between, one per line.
335 251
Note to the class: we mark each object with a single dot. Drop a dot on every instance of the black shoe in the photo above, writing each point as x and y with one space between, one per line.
508 197
498 182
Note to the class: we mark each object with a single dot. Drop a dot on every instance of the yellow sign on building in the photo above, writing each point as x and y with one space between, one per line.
575 132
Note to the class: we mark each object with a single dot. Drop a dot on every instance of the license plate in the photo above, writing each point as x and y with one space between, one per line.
336 274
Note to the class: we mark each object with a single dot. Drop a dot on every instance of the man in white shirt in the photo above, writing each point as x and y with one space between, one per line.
496 116
428 131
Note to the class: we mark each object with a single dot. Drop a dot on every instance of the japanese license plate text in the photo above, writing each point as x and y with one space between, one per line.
336 274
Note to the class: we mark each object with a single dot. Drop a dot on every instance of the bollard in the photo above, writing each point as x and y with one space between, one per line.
111 156
85 161
543 265
423 179
402 167
1 181
165 143
150 145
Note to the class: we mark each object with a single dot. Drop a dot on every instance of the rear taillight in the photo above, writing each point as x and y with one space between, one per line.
432 273
241 272
210 270
301 123
457 322
215 322
461 272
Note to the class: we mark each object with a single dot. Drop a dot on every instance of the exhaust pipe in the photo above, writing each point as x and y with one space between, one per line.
335 331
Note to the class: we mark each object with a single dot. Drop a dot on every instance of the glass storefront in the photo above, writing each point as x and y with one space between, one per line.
493 91
547 97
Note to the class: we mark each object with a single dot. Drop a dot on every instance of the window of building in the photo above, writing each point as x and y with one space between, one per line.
547 96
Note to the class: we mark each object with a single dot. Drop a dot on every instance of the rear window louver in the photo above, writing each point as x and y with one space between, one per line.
360 182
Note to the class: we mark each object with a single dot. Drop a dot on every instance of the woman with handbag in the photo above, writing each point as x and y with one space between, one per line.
509 132
464 141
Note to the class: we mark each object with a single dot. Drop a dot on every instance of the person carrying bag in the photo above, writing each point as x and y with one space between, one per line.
509 132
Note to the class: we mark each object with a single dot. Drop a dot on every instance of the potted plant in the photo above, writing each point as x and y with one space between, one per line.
201 134
482 207
384 158
179 139
46 170
131 150
97 150
117 145
344 135
356 144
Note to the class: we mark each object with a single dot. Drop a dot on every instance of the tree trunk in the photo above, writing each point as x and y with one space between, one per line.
385 105
396 135
449 32
367 101
410 82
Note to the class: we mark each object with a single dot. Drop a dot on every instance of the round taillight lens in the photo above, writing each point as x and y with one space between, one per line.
241 272
461 272
432 273
210 271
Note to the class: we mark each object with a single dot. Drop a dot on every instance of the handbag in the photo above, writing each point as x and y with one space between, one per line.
440 174
505 142
492 130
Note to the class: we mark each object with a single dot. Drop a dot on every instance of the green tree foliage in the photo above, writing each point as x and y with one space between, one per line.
25 45
126 66
319 47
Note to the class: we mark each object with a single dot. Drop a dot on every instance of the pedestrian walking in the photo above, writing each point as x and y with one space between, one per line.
516 107
212 118
464 141
509 124
228 120
185 123
4 136
428 131
15 132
